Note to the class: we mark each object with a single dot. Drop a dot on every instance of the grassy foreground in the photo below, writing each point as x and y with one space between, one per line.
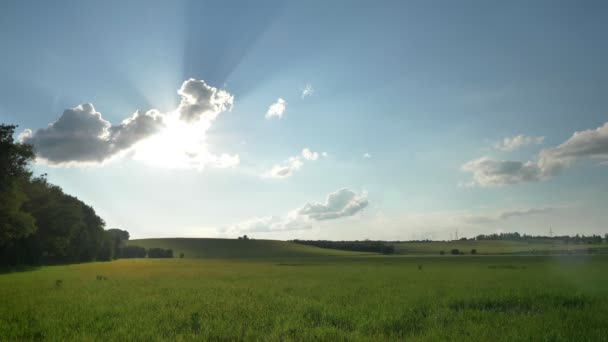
498 298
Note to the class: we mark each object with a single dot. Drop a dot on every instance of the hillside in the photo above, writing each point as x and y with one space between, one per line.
231 248
492 247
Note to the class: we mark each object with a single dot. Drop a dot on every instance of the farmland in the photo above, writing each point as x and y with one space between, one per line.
323 297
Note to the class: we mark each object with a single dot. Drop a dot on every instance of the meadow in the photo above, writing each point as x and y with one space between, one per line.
322 297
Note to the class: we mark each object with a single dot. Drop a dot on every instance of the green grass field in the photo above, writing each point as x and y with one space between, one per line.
367 298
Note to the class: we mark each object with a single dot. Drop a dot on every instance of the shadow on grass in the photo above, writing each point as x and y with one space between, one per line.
21 268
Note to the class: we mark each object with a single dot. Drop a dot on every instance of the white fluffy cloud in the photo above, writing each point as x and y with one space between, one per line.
366 155
292 164
175 139
513 143
200 100
276 109
307 91
309 155
81 135
591 143
282 171
342 203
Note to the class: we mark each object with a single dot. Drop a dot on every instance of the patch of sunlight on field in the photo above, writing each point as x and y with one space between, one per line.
316 298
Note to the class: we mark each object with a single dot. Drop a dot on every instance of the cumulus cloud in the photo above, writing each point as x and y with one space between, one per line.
81 136
341 203
586 144
512 143
292 164
489 172
309 155
307 91
200 100
366 155
281 171
276 109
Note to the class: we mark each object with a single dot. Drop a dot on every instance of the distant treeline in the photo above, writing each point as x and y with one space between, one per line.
576 239
39 223
356 246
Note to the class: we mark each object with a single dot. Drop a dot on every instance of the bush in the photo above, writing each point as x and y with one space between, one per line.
442 253
132 252
455 251
473 251
181 255
160 253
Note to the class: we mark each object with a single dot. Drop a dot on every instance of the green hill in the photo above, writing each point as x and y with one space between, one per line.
231 248
492 247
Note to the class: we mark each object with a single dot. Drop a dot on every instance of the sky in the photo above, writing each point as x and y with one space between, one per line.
389 120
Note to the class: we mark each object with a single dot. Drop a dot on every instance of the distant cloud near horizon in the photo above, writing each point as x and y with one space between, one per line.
82 137
341 203
592 143
509 144
276 109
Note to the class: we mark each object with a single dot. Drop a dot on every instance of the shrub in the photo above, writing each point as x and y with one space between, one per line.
455 251
442 253
160 253
133 252
181 255
473 251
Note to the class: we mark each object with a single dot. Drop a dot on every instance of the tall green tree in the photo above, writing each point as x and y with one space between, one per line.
15 224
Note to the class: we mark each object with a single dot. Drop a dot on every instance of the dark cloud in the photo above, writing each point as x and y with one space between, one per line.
200 100
81 135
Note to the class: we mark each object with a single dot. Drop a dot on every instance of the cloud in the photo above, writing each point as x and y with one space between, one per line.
586 144
81 136
513 143
292 164
309 155
489 172
366 155
307 91
503 216
200 100
276 109
341 203
282 171
289 222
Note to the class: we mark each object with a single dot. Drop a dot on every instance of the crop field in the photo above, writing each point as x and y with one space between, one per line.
340 297
494 247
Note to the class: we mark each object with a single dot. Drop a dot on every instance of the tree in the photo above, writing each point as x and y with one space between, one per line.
15 224
473 251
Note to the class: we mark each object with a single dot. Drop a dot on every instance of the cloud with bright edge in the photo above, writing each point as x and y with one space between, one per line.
592 143
276 109
307 91
509 144
292 164
174 139
341 203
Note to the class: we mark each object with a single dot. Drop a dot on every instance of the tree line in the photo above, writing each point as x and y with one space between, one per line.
41 224
356 246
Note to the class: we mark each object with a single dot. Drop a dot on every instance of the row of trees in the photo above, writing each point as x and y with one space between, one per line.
357 246
576 239
39 223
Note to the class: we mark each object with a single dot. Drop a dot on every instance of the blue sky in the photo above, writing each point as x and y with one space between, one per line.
429 90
